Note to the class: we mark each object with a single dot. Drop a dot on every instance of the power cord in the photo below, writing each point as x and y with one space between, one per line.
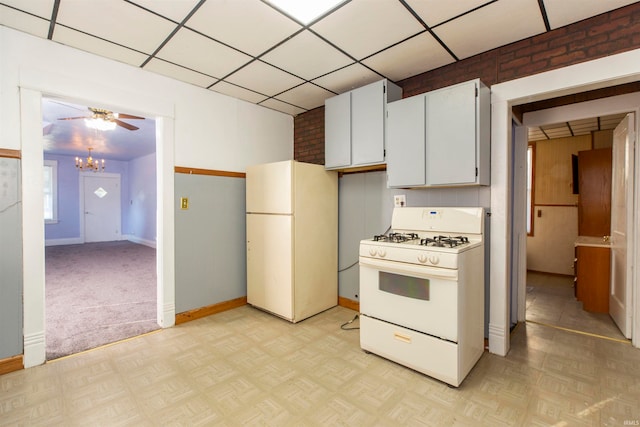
350 322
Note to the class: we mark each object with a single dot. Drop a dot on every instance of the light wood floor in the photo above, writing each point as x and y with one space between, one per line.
245 367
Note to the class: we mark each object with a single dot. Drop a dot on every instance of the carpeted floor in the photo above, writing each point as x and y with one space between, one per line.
98 293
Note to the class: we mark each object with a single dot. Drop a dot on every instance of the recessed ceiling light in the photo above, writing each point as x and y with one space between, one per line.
305 11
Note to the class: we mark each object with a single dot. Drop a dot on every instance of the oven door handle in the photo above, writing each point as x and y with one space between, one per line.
407 269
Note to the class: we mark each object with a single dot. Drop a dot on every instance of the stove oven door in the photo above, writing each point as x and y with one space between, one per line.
421 298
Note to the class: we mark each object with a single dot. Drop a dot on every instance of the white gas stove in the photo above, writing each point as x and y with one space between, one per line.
422 291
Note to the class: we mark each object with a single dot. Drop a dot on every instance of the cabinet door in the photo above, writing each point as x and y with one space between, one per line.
405 142
367 124
337 128
594 200
593 273
451 135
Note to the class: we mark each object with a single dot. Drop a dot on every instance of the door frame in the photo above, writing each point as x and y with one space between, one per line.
33 86
605 106
84 175
599 73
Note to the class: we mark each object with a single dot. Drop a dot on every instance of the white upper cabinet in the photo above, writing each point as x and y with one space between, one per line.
355 125
405 142
440 138
337 129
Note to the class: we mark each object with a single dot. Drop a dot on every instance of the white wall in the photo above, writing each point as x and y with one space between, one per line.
212 131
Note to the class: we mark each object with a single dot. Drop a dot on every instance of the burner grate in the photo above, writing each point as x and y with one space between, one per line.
395 237
444 241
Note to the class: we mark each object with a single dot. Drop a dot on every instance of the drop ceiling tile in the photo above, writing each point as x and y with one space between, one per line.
583 127
97 46
348 78
119 22
23 22
612 121
174 10
283 107
434 12
494 25
535 134
249 25
179 73
565 12
41 8
307 56
361 28
307 96
417 55
238 92
264 78
557 132
192 50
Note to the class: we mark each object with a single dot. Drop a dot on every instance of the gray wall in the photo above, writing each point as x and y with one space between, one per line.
210 241
10 259
365 208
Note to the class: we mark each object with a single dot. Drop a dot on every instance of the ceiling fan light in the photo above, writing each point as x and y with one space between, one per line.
99 124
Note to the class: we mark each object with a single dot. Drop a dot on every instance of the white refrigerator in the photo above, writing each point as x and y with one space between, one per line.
292 238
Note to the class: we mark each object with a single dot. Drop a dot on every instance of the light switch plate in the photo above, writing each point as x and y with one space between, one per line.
184 203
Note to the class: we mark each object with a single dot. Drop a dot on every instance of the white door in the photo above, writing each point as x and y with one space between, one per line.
101 207
621 214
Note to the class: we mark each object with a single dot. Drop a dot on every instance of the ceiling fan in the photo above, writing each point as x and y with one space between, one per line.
106 116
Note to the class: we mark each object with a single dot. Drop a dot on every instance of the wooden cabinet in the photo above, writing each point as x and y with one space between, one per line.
594 200
440 138
593 269
355 125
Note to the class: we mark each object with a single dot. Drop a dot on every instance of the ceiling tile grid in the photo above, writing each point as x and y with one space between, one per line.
250 50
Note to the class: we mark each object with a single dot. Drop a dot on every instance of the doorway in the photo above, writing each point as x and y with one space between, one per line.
32 189
100 254
550 297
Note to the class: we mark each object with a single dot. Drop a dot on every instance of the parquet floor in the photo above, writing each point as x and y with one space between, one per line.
247 368
551 301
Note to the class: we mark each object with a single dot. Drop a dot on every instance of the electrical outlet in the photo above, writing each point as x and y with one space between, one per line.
184 203
399 201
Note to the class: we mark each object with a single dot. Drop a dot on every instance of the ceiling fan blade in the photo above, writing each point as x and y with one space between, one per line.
74 118
129 116
125 125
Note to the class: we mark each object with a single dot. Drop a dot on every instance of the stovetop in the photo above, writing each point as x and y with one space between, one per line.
433 241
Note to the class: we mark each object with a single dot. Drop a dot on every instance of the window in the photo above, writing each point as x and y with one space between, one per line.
50 191
531 154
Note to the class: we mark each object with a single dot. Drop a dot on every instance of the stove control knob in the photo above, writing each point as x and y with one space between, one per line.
433 259
422 258
372 251
382 252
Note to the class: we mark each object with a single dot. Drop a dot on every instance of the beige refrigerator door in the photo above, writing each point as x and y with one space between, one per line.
269 263
270 188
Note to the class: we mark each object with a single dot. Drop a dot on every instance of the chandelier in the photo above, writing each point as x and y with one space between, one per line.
91 164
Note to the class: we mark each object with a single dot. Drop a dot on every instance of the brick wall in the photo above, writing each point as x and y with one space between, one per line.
308 136
603 35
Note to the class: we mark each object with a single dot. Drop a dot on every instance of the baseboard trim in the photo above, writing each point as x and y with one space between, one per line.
348 303
201 312
140 241
11 364
67 241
